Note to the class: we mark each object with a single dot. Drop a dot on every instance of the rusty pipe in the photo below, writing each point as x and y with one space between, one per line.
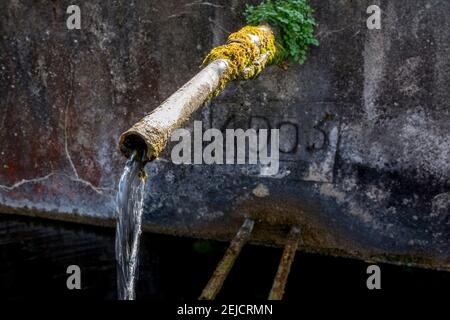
244 56
152 133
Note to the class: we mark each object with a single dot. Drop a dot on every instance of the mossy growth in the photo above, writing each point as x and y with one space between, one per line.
247 52
279 30
294 23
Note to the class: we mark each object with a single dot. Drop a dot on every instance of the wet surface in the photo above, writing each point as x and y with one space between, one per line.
130 199
34 256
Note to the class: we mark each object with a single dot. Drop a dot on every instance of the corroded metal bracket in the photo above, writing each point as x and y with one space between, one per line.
279 283
223 268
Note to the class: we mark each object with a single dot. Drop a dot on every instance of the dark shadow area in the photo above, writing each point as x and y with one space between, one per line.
35 254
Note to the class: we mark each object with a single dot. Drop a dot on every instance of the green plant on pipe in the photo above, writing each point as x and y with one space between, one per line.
277 31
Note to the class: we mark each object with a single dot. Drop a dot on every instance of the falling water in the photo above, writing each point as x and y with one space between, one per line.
130 199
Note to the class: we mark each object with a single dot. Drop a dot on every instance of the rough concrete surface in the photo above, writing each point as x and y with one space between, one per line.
365 123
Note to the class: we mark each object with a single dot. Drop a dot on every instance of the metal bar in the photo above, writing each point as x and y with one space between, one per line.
279 283
223 268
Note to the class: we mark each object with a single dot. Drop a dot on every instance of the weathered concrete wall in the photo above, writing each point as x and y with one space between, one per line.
365 123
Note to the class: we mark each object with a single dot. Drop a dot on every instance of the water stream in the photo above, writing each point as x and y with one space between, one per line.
130 200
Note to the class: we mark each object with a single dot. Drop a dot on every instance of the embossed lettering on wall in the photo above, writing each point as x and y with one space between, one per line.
308 134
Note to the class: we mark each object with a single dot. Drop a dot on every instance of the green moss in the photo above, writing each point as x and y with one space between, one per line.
294 23
256 46
246 57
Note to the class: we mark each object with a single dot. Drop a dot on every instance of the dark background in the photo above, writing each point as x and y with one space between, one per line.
35 253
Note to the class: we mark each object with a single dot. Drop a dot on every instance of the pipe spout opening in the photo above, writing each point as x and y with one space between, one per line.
131 141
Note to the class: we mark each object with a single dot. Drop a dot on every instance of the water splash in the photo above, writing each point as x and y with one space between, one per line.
130 200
